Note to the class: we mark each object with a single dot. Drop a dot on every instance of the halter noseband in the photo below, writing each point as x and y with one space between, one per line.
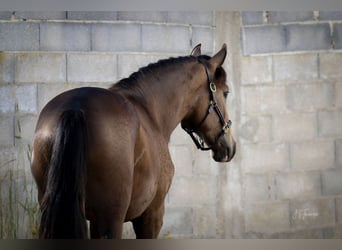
199 142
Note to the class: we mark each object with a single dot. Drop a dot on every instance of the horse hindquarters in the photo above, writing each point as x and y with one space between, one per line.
62 205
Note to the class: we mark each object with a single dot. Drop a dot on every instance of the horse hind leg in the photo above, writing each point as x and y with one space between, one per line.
149 224
95 232
106 230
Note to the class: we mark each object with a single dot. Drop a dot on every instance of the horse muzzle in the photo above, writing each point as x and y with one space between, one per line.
224 150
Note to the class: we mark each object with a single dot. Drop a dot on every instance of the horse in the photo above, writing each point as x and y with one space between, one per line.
102 154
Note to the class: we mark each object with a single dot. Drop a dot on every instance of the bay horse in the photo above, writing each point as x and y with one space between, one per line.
102 154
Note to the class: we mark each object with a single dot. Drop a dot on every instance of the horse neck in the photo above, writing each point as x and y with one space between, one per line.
168 98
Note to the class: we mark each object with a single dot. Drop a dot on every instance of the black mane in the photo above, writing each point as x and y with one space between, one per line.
153 70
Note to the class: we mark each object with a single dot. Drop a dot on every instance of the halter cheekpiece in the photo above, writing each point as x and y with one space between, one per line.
199 142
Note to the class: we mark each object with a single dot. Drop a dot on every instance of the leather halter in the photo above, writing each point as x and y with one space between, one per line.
199 142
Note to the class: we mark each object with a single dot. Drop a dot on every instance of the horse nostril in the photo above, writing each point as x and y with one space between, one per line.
233 151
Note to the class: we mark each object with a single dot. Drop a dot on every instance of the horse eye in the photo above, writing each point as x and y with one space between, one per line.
225 94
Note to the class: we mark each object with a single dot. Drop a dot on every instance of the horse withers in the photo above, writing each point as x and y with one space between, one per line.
102 154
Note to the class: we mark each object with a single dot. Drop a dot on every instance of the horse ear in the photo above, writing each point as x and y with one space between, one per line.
218 59
196 51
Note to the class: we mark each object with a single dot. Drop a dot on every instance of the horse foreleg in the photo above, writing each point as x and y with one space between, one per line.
148 225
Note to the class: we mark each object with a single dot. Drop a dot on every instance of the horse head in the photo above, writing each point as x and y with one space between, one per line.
208 122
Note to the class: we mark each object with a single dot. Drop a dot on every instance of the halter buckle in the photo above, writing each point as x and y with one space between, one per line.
212 87
226 126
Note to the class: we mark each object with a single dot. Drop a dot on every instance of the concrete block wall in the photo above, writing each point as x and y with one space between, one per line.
291 124
286 83
46 53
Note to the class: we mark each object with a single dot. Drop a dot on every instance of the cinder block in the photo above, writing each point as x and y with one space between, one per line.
202 163
339 210
7 99
11 32
267 217
41 15
256 69
308 37
8 155
128 231
338 95
182 159
329 123
313 155
5 15
263 99
91 67
256 129
116 37
337 36
334 232
256 187
299 234
7 63
289 16
310 97
92 15
128 63
180 137
205 37
7 134
294 126
261 158
204 222
330 65
338 152
191 17
46 92
65 36
40 67
331 182
312 213
330 15
298 185
252 17
263 39
150 16
193 191
24 129
26 96
295 67
165 38
177 222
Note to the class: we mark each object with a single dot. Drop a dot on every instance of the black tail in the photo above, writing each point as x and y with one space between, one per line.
63 214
